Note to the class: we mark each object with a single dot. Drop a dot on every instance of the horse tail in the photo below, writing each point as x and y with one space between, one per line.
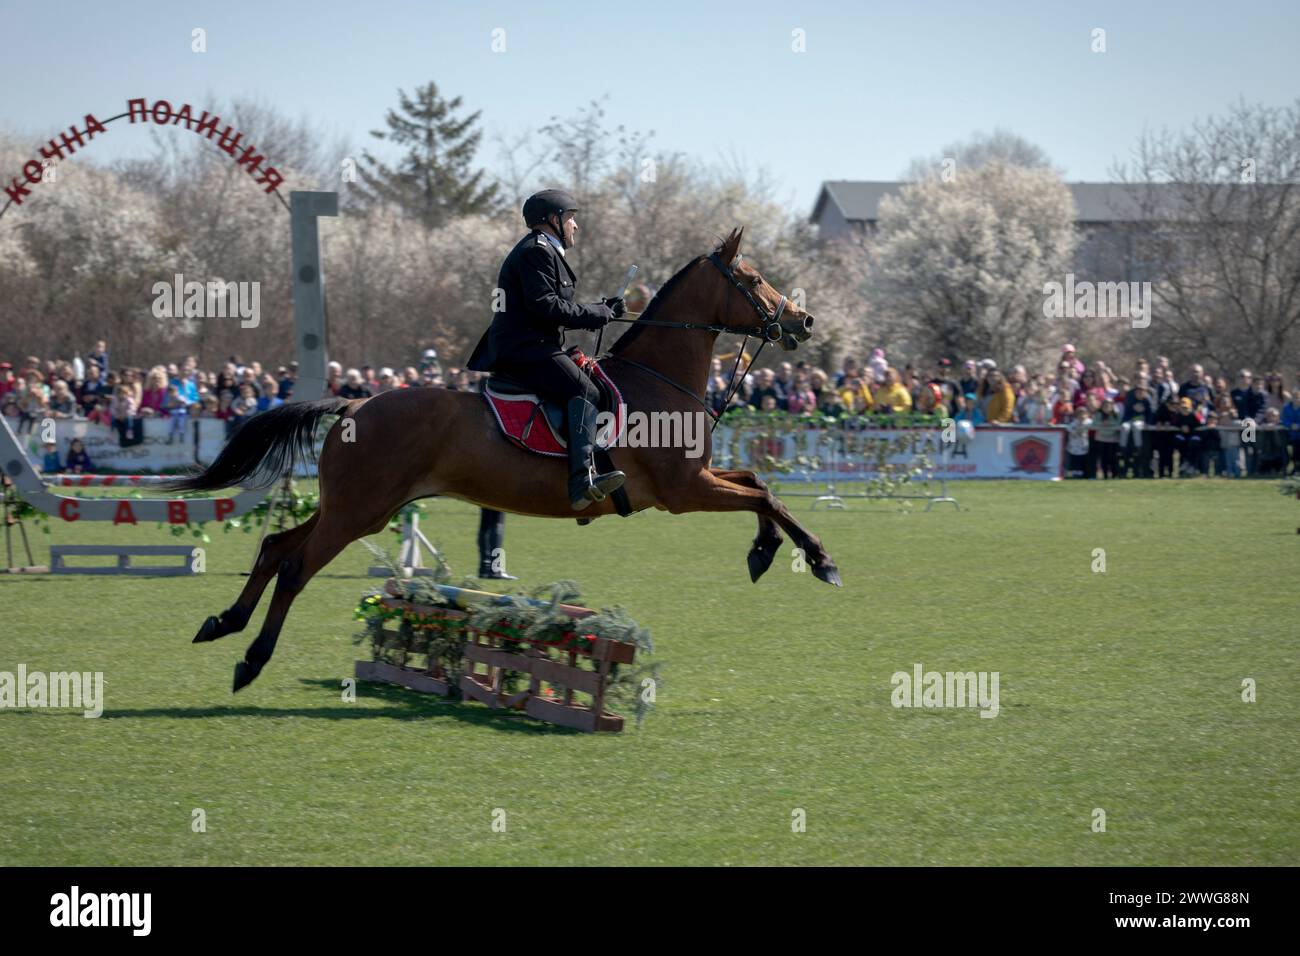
266 446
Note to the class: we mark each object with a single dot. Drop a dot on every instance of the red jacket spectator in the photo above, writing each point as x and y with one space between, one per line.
152 398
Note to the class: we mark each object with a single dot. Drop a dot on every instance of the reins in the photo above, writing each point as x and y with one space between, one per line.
769 330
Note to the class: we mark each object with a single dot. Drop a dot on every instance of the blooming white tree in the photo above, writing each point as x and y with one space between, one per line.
396 287
961 264
85 243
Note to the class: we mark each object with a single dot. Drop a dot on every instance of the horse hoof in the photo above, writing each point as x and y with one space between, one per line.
759 562
829 573
245 674
208 631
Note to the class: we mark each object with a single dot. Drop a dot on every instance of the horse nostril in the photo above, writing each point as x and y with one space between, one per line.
807 323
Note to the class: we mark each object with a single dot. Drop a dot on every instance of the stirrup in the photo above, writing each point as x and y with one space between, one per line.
597 488
606 484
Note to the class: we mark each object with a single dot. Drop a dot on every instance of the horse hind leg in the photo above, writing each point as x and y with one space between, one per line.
275 548
322 545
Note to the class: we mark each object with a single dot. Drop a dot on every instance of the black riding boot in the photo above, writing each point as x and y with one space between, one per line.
491 537
585 486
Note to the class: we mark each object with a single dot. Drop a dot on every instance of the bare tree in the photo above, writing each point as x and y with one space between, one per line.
660 210
395 286
1220 224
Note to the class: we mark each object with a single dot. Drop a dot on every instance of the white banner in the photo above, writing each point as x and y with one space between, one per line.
994 451
189 446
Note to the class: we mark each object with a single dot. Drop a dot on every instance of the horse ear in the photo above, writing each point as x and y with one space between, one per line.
730 247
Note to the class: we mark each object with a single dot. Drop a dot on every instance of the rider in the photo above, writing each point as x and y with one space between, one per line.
524 340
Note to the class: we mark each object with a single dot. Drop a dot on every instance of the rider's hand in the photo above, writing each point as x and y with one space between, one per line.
600 314
616 306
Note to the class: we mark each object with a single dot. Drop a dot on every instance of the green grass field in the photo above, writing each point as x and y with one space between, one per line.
1119 690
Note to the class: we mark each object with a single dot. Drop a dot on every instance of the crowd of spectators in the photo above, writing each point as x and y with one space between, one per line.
80 389
1118 425
88 388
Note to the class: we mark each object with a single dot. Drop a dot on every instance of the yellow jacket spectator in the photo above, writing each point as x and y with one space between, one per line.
855 396
1000 400
893 394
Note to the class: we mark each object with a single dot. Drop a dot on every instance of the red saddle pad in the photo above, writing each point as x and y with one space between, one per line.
514 412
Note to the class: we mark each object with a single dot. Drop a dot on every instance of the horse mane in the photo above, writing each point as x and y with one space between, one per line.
652 310
731 243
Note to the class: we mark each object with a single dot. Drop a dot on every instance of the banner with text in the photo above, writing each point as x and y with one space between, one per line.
988 451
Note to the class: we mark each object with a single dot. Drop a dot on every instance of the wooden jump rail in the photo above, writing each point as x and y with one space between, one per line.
552 684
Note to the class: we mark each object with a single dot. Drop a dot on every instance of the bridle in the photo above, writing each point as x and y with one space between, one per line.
768 329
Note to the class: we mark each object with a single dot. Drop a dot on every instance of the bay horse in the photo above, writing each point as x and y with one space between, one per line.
393 448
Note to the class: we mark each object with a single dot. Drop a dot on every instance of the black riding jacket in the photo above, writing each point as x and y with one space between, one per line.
539 288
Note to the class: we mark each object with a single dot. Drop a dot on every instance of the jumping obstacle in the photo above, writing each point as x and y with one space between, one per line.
9 511
409 560
555 670
59 553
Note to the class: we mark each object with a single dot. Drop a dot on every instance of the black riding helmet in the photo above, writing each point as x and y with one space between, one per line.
539 207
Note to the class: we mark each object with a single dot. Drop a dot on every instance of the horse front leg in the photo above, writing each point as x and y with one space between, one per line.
769 538
709 492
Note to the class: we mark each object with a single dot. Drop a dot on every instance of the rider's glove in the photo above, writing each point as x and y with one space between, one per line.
597 317
616 306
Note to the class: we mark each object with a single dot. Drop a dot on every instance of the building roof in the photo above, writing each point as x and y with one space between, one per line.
859 200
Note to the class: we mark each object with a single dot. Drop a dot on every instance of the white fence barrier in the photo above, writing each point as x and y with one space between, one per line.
199 443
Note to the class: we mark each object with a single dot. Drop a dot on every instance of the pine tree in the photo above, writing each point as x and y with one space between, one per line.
434 181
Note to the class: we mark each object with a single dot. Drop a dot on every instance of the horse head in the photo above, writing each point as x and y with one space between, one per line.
751 302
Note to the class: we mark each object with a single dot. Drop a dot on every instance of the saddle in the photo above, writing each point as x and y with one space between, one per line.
539 425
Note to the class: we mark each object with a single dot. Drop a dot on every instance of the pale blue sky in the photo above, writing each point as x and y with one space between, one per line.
880 83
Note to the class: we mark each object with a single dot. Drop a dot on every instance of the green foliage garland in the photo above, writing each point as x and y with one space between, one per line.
517 621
